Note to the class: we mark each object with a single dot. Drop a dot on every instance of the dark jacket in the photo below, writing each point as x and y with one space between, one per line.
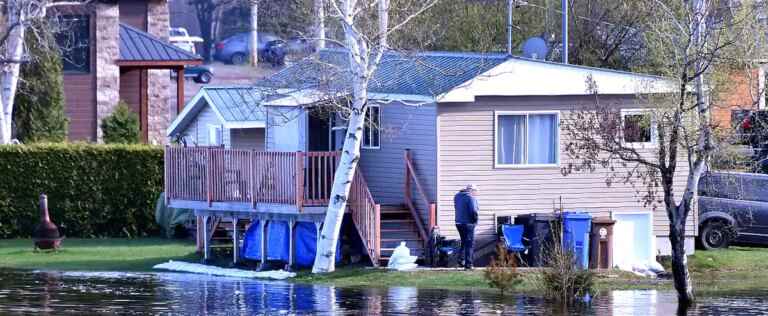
466 208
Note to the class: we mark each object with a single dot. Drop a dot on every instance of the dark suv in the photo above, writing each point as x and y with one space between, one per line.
733 207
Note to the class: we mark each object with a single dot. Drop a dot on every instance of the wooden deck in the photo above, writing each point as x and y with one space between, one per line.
292 186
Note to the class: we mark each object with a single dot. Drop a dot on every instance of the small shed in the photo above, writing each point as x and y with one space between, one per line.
228 116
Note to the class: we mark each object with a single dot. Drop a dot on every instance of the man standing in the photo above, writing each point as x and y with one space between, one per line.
467 210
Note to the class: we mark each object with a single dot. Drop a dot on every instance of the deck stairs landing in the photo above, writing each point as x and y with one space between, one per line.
397 225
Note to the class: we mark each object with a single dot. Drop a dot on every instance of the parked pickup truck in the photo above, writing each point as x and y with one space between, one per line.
733 207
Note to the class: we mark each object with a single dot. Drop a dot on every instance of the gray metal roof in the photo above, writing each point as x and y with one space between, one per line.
137 45
424 73
237 104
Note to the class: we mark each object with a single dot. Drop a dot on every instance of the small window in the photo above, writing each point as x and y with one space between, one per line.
637 127
74 39
371 132
215 137
530 139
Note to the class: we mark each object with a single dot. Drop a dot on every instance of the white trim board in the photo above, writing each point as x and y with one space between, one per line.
522 77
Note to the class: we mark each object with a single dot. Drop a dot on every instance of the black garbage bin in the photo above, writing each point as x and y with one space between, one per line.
537 234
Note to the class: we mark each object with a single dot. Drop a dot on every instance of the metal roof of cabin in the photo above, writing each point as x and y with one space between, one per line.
232 104
137 45
236 104
424 73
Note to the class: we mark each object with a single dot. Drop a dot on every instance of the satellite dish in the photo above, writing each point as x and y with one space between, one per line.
535 48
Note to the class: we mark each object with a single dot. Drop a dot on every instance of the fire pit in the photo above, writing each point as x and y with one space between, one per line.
46 235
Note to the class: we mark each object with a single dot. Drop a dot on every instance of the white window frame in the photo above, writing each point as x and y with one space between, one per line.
218 135
498 165
370 130
654 130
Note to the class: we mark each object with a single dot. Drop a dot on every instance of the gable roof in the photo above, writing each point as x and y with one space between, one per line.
422 74
139 46
235 106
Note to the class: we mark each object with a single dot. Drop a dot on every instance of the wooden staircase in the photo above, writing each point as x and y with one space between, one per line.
397 225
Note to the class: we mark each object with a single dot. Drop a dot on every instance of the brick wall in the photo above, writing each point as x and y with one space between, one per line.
159 94
107 72
741 92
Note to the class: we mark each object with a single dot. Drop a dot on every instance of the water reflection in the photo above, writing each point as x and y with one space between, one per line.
187 294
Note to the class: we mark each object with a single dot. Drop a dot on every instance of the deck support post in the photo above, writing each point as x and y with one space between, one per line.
290 244
235 241
206 242
263 244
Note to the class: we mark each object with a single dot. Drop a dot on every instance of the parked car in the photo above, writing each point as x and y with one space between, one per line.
199 74
733 207
236 48
179 37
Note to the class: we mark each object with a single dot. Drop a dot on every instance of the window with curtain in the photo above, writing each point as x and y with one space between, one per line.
527 139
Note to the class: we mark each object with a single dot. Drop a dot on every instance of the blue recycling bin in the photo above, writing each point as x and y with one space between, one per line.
576 229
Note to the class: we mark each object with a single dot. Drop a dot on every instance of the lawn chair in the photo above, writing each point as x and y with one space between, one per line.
513 240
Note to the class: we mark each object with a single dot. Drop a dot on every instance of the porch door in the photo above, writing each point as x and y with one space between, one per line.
133 91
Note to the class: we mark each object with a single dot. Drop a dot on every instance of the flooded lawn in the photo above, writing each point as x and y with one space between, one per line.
187 294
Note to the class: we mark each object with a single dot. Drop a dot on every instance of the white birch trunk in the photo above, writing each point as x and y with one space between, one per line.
320 23
10 70
254 33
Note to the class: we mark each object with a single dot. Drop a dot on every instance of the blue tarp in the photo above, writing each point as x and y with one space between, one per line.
278 242
305 237
252 242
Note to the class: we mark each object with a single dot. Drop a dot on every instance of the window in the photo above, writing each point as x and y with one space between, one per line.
215 136
371 129
637 127
73 40
527 139
371 132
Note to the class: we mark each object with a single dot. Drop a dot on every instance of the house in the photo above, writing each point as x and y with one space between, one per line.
437 121
744 92
118 50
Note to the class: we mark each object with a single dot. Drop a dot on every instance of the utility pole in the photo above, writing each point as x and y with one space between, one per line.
254 33
565 31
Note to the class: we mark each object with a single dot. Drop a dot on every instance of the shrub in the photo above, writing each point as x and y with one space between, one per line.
93 190
502 272
563 280
38 114
122 126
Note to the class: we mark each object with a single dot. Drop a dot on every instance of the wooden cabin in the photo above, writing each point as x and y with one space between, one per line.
438 122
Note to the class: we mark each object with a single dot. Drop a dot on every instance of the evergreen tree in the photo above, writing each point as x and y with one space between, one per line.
122 126
39 114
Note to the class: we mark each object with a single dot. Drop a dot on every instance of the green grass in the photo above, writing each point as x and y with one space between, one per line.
733 269
112 254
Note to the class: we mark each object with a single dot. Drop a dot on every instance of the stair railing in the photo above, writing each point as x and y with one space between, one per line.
366 216
410 176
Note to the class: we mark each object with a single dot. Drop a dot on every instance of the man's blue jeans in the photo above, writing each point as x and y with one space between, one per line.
467 235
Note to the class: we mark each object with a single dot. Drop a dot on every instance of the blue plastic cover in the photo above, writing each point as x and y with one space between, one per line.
305 241
576 229
513 237
252 242
278 242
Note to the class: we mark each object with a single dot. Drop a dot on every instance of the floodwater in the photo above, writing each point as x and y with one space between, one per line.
44 293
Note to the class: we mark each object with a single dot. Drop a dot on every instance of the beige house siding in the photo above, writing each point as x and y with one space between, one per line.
466 155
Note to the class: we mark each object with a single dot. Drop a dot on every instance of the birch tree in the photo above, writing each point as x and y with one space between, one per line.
693 39
20 17
366 29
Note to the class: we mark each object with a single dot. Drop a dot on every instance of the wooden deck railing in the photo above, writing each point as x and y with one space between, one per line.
410 176
213 174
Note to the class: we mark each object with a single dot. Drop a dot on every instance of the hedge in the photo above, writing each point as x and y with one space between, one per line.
93 190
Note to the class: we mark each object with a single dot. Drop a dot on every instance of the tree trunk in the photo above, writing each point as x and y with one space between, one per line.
320 23
680 274
254 33
10 74
342 182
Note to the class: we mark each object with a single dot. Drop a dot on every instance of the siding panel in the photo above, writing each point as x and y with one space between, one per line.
466 155
403 127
